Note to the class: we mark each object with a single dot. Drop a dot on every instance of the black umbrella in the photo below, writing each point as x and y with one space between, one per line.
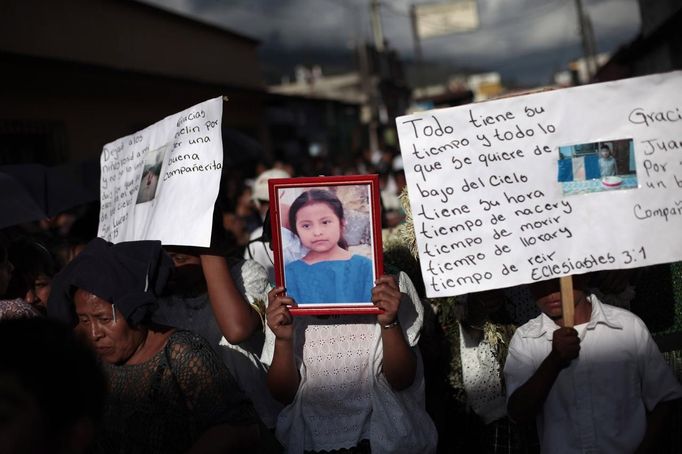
54 189
72 184
239 148
16 203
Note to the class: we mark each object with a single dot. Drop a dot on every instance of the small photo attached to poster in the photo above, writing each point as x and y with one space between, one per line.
597 167
326 237
151 172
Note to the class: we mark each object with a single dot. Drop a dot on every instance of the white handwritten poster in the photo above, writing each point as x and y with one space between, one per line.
546 185
160 183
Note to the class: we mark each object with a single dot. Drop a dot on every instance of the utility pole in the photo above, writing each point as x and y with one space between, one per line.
587 38
415 34
377 31
372 77
591 43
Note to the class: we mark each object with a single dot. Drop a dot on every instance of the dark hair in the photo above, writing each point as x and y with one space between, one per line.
50 364
30 259
317 196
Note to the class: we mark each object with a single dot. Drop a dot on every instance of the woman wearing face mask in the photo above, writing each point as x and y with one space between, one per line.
168 391
211 297
222 300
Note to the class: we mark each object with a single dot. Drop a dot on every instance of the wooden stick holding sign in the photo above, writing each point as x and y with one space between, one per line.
567 305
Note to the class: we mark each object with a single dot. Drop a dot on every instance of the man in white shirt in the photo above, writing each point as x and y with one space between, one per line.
601 387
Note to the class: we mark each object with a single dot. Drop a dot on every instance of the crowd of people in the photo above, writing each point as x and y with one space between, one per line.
139 347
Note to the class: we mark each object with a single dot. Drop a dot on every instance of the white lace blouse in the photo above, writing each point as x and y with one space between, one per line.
343 396
481 376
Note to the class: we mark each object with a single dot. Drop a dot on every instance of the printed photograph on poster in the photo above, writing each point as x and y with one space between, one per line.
151 171
327 242
597 166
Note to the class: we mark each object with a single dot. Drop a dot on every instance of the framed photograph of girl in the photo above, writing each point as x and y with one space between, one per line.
326 239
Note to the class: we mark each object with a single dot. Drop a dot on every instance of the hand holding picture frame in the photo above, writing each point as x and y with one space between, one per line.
326 238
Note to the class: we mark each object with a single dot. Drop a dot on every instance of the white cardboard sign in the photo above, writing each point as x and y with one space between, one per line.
161 183
546 185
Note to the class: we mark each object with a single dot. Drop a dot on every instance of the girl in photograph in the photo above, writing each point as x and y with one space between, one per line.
329 272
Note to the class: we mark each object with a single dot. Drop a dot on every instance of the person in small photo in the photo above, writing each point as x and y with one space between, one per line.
150 175
329 272
150 179
607 163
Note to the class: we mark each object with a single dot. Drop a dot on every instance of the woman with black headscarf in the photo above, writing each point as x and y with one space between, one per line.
168 391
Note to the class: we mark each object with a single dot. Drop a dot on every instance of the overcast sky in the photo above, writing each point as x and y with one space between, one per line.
525 40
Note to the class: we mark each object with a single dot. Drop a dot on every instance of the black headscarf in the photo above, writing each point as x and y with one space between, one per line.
130 275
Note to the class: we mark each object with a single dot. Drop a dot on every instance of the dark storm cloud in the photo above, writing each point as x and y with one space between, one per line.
511 31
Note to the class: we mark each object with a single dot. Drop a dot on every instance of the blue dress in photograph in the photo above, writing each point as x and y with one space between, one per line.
331 281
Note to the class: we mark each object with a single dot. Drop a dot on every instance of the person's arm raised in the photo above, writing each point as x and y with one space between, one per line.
235 316
283 377
399 362
528 399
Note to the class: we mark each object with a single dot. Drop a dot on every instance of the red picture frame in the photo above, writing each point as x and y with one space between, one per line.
360 198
